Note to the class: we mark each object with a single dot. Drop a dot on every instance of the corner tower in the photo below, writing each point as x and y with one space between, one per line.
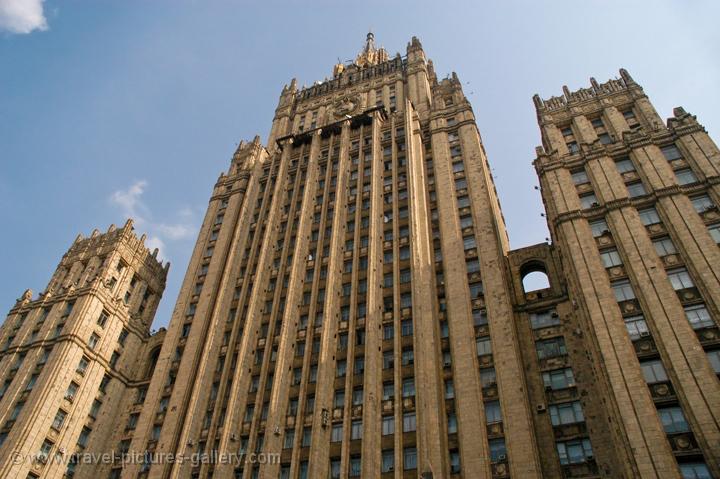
70 355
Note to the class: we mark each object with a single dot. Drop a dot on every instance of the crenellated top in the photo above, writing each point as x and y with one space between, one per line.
596 90
125 235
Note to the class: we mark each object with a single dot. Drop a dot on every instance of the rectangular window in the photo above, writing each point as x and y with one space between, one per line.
408 387
664 246
388 425
492 412
653 371
624 165
685 176
550 348
636 189
566 413
559 379
680 279
356 430
409 422
649 216
714 231
484 346
410 458
636 327
580 177
599 228
671 152
388 461
623 291
575 451
610 258
673 420
702 203
698 316
543 319
588 201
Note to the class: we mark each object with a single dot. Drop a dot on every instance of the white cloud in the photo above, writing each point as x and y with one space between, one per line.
130 202
22 16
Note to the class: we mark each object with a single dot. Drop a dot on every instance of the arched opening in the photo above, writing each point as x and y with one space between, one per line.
534 276
154 355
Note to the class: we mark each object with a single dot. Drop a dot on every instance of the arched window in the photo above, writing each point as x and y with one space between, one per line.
534 276
153 361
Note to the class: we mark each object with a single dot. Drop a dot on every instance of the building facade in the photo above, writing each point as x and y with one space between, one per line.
352 307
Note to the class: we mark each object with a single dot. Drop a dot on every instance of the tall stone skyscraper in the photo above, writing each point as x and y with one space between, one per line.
352 307
71 357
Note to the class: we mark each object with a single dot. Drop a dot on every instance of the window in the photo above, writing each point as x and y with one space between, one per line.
454 462
599 228
636 327
664 246
698 316
588 201
336 434
406 327
543 319
492 412
83 365
388 390
550 348
671 152
409 422
680 279
575 451
715 232
653 371
356 430
623 291
487 377
636 189
694 470
71 391
341 368
388 425
410 458
484 346
714 358
580 177
388 460
84 434
685 176
702 203
388 360
624 165
498 452
45 450
59 419
408 387
673 420
649 216
610 258
94 339
559 378
355 466
573 147
605 138
102 320
567 131
408 358
566 413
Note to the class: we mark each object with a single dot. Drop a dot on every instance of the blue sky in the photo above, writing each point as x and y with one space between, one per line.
126 107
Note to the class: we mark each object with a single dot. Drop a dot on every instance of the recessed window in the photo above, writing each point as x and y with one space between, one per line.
653 371
636 189
685 176
580 177
673 420
610 258
649 216
698 316
559 379
599 228
544 319
574 452
680 279
588 201
624 165
623 290
664 246
702 203
550 348
671 152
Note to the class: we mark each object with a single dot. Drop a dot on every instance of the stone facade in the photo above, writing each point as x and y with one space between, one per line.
352 307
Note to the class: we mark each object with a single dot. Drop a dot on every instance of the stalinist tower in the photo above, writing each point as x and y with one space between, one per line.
352 307
346 303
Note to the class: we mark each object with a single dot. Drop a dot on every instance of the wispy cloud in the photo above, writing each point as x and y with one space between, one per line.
130 202
22 16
